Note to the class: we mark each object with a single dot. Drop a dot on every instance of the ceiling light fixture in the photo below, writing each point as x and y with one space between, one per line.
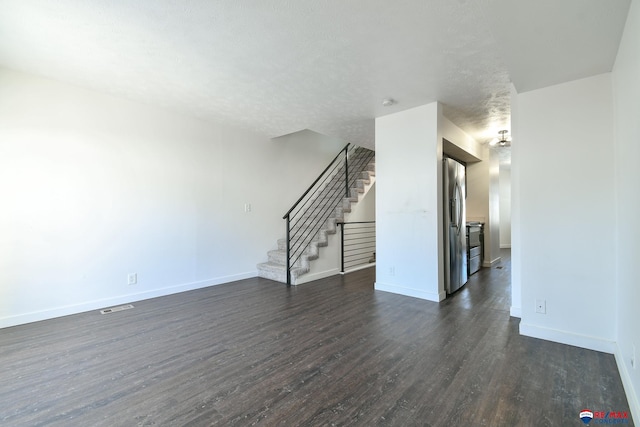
503 140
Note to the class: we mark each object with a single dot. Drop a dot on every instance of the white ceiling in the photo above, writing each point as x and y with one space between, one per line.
279 66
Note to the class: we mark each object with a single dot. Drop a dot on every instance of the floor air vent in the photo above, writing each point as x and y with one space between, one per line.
114 309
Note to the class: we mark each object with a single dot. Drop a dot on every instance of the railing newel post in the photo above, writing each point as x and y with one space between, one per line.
288 250
342 247
306 217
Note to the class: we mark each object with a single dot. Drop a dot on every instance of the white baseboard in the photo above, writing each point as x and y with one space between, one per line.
505 246
569 338
515 311
362 267
410 292
632 395
310 277
36 316
492 263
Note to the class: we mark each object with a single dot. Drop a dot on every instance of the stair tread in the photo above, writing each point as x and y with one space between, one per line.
278 267
360 176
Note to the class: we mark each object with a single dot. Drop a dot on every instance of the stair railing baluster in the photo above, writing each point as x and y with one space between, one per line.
358 242
316 181
342 247
288 217
346 174
305 218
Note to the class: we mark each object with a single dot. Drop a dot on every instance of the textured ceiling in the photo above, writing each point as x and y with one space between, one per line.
280 66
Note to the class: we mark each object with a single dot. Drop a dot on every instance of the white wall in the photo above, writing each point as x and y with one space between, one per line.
492 247
566 166
505 207
452 133
329 262
94 187
483 202
626 92
516 251
365 209
407 207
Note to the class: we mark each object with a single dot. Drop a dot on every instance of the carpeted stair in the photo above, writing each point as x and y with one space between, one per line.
334 211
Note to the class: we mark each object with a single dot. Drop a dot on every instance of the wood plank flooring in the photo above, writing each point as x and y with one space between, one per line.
331 352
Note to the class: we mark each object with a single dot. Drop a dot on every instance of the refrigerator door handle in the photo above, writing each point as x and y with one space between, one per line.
456 209
452 210
460 210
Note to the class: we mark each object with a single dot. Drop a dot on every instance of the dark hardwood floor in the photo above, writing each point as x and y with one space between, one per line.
332 352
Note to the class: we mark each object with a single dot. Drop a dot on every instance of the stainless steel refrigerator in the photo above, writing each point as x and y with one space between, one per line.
455 244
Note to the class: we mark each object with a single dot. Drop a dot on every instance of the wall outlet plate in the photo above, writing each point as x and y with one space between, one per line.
541 306
132 278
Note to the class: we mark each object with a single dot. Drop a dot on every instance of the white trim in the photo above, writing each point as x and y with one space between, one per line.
310 277
410 292
505 245
37 316
515 312
362 267
492 263
627 383
569 338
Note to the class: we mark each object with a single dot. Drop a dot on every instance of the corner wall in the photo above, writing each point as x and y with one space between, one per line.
626 95
516 247
505 207
95 187
483 202
565 163
407 208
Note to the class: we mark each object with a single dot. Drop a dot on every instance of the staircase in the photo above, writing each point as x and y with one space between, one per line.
314 216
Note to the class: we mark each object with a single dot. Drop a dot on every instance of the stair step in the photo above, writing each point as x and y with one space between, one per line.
278 272
279 256
334 206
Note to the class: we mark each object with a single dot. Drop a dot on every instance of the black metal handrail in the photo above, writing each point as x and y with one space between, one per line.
357 244
328 191
344 150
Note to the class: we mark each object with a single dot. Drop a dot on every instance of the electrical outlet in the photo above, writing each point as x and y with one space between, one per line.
541 306
392 271
132 278
633 356
247 207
